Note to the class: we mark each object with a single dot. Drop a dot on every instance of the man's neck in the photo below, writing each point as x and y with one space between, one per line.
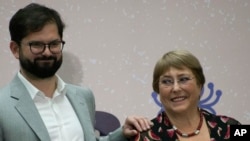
45 85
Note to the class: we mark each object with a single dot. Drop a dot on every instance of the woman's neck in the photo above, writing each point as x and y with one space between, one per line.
185 121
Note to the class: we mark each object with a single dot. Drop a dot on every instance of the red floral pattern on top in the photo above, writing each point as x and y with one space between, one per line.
219 126
171 132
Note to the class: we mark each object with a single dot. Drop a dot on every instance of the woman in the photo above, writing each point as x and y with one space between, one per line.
178 79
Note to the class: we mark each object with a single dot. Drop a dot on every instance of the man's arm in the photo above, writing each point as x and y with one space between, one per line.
132 126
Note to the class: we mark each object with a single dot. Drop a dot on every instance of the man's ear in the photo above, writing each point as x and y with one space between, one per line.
14 47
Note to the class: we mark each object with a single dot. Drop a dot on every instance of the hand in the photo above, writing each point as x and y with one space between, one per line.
135 124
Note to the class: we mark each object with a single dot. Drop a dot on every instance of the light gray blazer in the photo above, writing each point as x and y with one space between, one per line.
21 121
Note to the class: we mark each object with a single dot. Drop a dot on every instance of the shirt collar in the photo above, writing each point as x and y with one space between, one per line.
33 91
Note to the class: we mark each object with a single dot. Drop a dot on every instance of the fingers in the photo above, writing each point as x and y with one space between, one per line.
135 124
129 132
140 123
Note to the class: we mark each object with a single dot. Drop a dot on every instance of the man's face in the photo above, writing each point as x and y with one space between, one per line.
42 65
40 70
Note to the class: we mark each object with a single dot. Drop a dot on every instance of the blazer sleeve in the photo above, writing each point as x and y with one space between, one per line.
87 96
117 135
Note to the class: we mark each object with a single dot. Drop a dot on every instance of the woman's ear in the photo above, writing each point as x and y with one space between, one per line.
14 47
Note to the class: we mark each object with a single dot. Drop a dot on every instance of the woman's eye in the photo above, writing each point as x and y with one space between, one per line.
184 79
167 81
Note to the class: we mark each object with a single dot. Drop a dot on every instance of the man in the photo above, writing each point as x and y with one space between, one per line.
38 105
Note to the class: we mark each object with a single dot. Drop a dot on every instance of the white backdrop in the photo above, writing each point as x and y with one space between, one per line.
113 45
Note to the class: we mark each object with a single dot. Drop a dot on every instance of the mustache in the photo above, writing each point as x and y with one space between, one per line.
45 58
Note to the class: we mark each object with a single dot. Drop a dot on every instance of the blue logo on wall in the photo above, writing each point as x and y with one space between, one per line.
209 98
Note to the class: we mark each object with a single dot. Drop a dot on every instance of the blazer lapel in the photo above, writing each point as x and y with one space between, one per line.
82 113
27 109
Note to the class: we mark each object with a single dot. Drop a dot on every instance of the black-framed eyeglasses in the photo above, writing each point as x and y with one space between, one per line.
55 47
169 82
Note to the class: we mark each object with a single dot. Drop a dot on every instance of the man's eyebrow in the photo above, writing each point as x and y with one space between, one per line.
37 41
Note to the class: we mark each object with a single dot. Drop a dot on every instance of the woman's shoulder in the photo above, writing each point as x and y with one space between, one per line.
219 118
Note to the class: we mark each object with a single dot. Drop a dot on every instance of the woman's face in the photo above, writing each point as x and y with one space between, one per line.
178 90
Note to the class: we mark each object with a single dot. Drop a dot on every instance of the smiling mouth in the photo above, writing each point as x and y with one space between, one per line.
178 99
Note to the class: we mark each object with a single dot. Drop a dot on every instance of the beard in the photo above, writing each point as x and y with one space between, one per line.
41 70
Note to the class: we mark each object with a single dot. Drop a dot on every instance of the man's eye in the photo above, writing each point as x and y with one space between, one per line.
55 43
37 44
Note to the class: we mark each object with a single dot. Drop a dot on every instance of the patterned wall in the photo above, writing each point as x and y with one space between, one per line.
113 45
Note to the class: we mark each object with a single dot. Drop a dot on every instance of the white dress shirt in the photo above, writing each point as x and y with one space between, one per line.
57 113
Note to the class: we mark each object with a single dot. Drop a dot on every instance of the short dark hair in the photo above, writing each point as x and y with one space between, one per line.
33 18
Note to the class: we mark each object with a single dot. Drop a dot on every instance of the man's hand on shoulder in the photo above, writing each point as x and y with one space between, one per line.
135 124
